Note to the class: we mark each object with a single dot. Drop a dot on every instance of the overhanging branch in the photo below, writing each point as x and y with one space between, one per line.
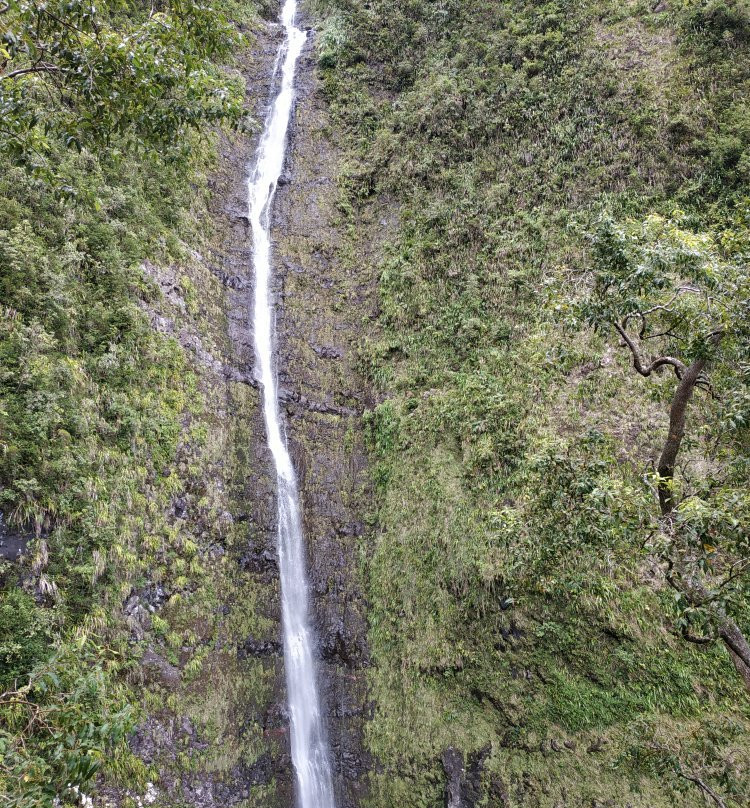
24 71
638 364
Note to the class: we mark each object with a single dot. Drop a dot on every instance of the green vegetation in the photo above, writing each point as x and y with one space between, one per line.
667 291
58 728
90 416
555 579
557 165
25 633
104 146
86 74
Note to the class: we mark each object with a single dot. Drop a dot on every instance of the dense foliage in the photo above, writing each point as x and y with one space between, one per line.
104 116
90 401
58 728
87 73
541 596
679 306
558 166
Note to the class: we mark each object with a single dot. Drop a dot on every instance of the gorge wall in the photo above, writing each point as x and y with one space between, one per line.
491 578
231 720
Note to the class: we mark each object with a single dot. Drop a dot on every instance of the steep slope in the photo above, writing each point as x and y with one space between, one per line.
160 577
490 569
526 645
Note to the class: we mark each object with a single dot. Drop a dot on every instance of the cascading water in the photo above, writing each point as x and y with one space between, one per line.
309 747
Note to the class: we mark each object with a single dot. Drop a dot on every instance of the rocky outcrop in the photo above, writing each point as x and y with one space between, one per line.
463 786
13 543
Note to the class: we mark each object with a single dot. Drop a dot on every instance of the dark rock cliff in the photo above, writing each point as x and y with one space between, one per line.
220 738
321 308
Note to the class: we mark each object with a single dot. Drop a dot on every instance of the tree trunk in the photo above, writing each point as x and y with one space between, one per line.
677 418
729 631
738 647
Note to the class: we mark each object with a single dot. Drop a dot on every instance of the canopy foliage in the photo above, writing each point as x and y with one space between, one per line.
88 73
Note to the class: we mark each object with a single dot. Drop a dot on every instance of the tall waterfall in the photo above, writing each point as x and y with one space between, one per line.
309 747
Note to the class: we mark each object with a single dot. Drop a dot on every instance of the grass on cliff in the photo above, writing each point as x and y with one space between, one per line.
91 406
515 603
102 425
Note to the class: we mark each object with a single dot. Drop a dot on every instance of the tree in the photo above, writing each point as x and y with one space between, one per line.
83 72
680 307
58 728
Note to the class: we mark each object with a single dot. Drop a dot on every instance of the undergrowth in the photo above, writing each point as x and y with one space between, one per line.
102 425
516 598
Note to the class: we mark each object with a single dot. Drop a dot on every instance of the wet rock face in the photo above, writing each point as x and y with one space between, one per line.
261 559
156 669
322 303
255 647
157 738
453 765
13 543
216 733
231 717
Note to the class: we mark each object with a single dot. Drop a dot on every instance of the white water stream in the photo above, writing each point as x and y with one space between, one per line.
308 741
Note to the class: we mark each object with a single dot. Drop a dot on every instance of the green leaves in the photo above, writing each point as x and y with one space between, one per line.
667 285
86 74
679 303
25 633
56 730
90 402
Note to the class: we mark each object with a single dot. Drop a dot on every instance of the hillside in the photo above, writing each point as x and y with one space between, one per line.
519 611
511 243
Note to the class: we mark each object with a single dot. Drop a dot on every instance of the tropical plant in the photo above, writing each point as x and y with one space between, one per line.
56 729
86 72
680 307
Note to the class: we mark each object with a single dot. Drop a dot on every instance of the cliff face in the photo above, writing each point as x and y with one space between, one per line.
487 559
230 720
218 736
527 647
324 305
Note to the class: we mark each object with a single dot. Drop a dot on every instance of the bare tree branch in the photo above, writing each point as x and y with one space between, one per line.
735 571
696 640
706 789
69 25
628 317
667 333
704 383
662 361
689 379
734 639
40 68
693 778
727 630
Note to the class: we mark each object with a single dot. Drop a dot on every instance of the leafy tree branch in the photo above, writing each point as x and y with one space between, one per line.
664 288
87 73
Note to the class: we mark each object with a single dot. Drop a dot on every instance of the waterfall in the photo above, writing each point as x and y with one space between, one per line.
308 741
